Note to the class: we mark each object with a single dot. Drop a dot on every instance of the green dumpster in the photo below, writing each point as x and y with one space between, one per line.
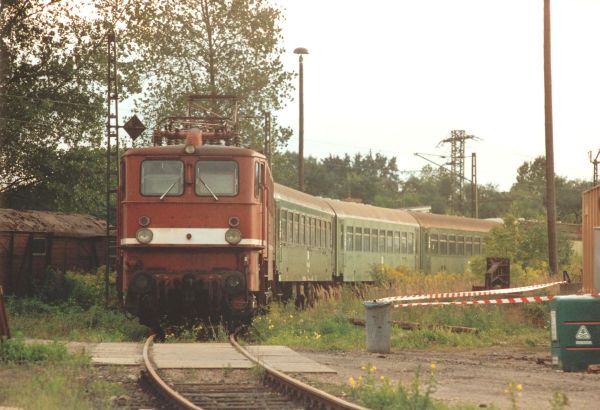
575 331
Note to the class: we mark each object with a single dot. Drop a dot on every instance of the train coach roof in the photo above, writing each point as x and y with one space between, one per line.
57 223
209 150
362 211
291 195
427 220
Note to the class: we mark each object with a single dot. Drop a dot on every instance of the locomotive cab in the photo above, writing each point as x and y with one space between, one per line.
195 231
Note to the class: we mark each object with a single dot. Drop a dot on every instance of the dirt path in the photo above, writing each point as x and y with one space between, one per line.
478 377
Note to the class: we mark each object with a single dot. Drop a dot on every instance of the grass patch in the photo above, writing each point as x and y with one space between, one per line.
72 307
327 325
16 351
45 376
382 393
56 385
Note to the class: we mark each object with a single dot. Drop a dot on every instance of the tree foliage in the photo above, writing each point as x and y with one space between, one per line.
52 86
372 179
228 47
526 243
53 74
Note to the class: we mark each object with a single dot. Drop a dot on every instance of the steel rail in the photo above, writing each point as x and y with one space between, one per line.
330 401
160 384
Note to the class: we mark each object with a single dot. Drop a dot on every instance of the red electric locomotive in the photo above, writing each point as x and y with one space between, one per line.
196 225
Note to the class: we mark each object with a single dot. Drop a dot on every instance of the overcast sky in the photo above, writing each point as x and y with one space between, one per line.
397 76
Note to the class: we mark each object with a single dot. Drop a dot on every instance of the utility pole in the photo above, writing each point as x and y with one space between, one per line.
301 51
474 190
595 162
550 187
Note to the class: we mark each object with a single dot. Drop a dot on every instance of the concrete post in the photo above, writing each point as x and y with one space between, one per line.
379 326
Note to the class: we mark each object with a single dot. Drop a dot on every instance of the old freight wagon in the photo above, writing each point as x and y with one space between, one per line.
31 242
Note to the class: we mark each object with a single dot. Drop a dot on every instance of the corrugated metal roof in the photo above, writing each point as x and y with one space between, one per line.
288 194
51 222
427 220
356 210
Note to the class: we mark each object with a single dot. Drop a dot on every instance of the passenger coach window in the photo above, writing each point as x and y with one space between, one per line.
411 243
397 242
367 241
214 178
358 239
403 243
443 244
476 246
389 242
296 234
162 178
349 238
460 245
451 245
433 245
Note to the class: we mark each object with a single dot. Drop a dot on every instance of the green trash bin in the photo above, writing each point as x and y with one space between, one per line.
575 332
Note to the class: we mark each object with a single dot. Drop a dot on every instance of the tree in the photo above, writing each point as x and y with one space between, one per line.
52 75
432 187
75 183
529 193
214 47
525 243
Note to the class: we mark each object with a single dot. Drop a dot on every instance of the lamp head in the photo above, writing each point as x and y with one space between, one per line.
300 50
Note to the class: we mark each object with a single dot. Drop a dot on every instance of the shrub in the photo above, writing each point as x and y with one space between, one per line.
15 350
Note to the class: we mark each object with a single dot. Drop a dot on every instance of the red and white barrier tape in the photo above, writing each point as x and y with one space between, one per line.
481 302
465 294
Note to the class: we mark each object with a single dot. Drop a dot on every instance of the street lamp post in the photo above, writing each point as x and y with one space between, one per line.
301 51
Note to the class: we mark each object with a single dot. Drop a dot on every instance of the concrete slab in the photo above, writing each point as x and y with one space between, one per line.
286 360
198 356
116 353
203 356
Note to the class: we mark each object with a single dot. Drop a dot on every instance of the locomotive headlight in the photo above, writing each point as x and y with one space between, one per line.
233 236
144 235
189 149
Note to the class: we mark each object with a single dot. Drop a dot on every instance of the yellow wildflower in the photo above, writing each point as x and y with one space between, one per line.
433 366
519 387
352 382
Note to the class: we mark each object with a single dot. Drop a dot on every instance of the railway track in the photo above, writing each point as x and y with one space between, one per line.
262 387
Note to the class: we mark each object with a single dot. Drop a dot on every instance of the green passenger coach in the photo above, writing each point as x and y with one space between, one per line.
449 241
304 227
369 236
321 241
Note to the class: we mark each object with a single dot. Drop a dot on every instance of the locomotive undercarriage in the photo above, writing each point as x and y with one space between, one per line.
219 295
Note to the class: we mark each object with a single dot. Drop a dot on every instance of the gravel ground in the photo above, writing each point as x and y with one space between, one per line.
478 377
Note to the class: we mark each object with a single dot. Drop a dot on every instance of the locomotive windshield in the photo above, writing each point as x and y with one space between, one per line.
216 178
162 178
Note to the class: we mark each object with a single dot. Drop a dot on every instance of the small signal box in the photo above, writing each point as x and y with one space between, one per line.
575 332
